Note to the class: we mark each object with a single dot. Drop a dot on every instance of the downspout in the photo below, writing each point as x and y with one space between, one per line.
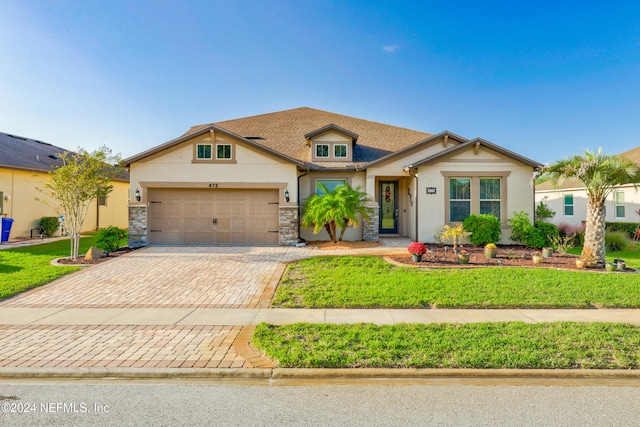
408 170
300 207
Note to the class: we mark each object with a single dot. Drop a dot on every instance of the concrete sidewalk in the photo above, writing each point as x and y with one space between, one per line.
280 316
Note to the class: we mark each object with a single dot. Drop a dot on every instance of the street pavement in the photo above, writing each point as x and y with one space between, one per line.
192 308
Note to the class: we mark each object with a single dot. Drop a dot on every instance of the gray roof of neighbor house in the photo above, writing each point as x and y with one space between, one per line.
18 152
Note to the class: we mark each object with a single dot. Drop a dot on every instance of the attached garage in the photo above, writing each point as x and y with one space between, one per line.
213 216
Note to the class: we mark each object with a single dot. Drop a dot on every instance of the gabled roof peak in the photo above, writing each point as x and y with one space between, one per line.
329 127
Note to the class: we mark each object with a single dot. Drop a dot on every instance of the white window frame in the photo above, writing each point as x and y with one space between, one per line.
198 152
565 205
335 151
328 147
499 199
230 151
451 200
619 204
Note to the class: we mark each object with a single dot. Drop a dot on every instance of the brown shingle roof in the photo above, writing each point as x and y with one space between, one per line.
284 132
633 155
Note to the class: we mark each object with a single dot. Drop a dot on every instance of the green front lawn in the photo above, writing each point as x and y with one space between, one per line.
30 266
562 345
631 256
370 282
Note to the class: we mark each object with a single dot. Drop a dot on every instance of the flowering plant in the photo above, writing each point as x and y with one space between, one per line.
490 246
536 253
463 252
417 248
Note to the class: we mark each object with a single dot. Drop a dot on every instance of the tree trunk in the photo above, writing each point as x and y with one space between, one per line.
593 252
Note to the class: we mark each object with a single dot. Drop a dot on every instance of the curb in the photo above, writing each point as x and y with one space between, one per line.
312 374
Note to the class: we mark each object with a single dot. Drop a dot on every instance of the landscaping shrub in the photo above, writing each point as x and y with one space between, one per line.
616 241
484 228
524 232
544 212
49 225
108 239
548 231
628 227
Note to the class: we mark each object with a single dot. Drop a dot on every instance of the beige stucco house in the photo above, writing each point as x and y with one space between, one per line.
24 167
569 200
243 181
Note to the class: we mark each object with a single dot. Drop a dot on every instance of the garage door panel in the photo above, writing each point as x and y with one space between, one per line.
220 216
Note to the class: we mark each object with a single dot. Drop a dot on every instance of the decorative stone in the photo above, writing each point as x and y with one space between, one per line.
93 254
370 229
289 225
137 226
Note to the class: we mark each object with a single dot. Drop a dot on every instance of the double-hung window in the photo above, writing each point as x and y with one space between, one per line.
490 198
618 198
459 199
568 205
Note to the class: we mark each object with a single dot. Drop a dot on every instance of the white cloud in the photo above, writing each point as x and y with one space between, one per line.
390 48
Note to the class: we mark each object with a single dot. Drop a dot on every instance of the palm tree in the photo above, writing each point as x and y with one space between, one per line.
338 208
600 174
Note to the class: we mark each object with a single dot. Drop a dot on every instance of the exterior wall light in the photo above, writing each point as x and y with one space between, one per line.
138 197
286 196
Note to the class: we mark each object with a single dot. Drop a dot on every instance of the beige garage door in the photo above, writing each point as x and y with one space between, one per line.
213 216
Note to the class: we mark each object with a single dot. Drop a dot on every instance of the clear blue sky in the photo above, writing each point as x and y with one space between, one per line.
546 79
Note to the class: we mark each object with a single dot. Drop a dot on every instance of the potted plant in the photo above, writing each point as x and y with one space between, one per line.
580 263
609 266
537 258
463 256
490 250
417 249
547 252
621 265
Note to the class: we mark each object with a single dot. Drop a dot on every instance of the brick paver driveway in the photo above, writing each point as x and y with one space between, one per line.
154 277
168 277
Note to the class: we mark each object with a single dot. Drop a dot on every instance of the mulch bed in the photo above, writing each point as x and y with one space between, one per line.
508 256
81 260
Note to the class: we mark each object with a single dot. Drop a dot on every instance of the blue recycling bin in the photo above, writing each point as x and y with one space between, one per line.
6 229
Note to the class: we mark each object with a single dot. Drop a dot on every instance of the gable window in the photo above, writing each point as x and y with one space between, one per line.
568 205
340 150
459 199
490 196
330 184
322 150
618 199
223 151
203 152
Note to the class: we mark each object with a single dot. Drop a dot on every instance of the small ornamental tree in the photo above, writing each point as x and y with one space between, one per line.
83 177
335 209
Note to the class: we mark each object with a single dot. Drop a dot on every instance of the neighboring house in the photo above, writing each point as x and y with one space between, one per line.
569 200
243 181
24 167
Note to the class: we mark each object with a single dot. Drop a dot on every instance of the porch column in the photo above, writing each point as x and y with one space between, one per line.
371 228
137 225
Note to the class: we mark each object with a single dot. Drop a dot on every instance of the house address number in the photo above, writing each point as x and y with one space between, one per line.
213 185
